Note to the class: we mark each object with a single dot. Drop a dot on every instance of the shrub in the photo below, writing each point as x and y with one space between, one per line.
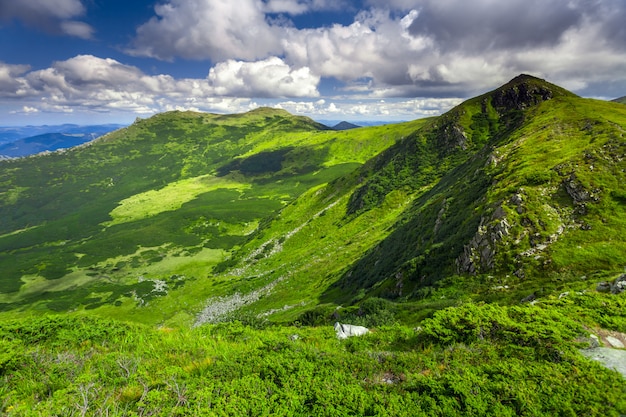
534 327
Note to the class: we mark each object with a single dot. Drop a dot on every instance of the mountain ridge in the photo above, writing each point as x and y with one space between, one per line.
478 253
438 201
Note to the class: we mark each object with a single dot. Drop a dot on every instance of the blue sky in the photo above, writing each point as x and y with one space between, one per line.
100 61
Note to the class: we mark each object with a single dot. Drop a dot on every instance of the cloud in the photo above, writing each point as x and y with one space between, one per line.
392 52
219 30
25 110
285 6
11 85
481 25
98 84
53 16
87 83
268 78
370 109
398 5
401 48
78 29
296 7
216 30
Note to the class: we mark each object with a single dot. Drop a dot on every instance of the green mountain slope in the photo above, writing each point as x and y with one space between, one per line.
187 218
240 239
512 194
537 176
150 208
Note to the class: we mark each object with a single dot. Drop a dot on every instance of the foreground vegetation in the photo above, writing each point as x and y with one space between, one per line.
473 359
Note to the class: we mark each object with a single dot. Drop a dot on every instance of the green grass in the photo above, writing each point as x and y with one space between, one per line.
180 183
273 203
467 360
169 198
278 227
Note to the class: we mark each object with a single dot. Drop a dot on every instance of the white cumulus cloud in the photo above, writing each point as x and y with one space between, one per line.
216 30
403 47
99 84
11 85
271 77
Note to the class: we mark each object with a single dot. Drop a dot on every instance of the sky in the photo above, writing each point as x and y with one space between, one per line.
111 61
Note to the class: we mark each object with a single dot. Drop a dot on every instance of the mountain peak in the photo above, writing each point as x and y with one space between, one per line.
345 126
525 91
269 111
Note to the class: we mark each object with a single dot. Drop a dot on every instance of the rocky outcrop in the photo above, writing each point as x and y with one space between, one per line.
575 189
609 358
449 134
520 93
611 355
452 136
617 286
479 254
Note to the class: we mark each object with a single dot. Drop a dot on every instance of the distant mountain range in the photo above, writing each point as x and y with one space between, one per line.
620 100
28 140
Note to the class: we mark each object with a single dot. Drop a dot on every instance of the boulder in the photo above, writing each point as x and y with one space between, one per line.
615 342
603 287
610 358
348 330
619 285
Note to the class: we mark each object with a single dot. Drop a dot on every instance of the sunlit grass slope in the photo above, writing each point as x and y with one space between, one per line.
152 208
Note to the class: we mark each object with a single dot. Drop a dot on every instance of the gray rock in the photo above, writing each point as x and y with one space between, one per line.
348 330
594 341
576 190
619 285
517 199
603 287
615 342
610 358
479 254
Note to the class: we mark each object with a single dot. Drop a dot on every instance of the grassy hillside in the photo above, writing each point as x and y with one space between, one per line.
195 264
512 195
152 208
533 198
